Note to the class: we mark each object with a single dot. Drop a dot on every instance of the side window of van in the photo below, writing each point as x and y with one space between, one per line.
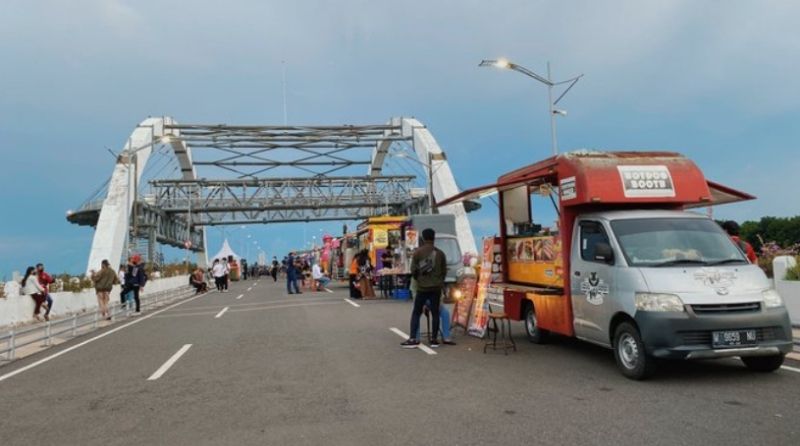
592 233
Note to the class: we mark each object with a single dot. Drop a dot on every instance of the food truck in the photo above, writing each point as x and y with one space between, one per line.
629 267
375 234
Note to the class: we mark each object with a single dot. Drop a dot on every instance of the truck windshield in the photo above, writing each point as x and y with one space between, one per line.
450 248
655 242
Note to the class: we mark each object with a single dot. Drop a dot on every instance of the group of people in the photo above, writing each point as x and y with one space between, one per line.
221 271
304 269
36 283
131 276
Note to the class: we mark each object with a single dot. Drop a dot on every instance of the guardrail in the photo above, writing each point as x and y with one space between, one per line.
76 324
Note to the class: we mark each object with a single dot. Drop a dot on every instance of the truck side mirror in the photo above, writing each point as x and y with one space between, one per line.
604 253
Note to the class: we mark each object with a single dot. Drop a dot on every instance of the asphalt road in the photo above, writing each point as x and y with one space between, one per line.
314 369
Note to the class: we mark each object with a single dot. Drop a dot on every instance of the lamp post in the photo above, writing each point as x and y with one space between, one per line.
551 104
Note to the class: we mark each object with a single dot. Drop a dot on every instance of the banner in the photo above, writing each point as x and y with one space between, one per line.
480 307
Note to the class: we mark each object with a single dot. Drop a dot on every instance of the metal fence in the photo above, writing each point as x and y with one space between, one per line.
77 324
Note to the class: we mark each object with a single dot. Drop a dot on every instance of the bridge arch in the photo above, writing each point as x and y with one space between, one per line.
113 223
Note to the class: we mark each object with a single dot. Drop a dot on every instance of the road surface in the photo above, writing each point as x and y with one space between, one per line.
257 366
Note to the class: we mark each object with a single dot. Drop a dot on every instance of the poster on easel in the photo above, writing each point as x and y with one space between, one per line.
479 317
463 306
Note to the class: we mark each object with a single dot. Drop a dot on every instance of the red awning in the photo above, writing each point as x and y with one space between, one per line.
722 195
719 194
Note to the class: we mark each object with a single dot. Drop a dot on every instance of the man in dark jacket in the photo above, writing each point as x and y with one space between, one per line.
291 275
428 268
135 279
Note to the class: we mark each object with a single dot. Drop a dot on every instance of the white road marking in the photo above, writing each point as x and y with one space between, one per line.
100 336
250 289
330 291
170 362
421 346
219 315
791 369
352 303
238 309
239 296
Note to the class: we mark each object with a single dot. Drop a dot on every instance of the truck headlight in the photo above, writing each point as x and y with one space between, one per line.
456 294
771 298
658 302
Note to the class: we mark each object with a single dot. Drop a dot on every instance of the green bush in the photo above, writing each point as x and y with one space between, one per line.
793 273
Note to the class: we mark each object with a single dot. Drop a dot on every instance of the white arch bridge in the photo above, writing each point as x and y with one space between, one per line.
218 174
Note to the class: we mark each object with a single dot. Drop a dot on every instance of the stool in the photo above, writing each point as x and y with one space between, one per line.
507 342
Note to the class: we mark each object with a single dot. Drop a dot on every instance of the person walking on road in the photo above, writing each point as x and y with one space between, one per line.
291 275
32 287
274 271
135 280
104 280
428 268
732 228
218 271
45 280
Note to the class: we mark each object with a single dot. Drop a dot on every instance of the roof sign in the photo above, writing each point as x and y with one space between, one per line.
646 181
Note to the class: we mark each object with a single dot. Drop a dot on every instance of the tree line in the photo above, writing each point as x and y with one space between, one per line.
785 231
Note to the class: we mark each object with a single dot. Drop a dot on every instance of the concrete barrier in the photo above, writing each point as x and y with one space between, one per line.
16 309
788 289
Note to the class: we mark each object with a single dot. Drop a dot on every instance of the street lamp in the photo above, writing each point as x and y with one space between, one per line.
508 65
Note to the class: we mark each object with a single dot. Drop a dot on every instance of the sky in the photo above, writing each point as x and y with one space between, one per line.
714 80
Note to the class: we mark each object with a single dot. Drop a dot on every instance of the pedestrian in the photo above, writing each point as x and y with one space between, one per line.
32 287
135 280
291 274
355 291
244 269
732 228
428 268
320 280
104 280
226 263
365 275
45 280
387 279
275 268
218 271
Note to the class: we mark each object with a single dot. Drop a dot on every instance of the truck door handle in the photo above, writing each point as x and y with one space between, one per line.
577 273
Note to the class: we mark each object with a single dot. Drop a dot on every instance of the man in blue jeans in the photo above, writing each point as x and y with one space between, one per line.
445 318
428 268
291 275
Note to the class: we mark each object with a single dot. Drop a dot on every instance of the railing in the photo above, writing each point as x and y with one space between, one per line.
72 326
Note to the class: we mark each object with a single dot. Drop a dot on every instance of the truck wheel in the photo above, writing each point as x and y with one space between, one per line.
630 354
763 363
535 334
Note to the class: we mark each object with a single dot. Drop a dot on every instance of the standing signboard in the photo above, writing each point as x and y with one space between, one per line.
479 317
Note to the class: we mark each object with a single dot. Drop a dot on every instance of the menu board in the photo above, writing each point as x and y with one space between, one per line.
480 307
463 306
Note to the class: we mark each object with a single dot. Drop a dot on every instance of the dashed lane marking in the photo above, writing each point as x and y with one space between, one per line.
170 362
239 296
421 346
90 340
352 303
330 291
219 315
791 369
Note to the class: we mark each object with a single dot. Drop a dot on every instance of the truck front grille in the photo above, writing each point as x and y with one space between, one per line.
749 307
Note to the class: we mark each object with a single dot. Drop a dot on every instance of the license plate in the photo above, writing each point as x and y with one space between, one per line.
733 338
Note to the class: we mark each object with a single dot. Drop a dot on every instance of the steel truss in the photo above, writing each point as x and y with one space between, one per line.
316 150
276 200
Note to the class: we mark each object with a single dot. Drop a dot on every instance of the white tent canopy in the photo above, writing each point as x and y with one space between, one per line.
224 252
